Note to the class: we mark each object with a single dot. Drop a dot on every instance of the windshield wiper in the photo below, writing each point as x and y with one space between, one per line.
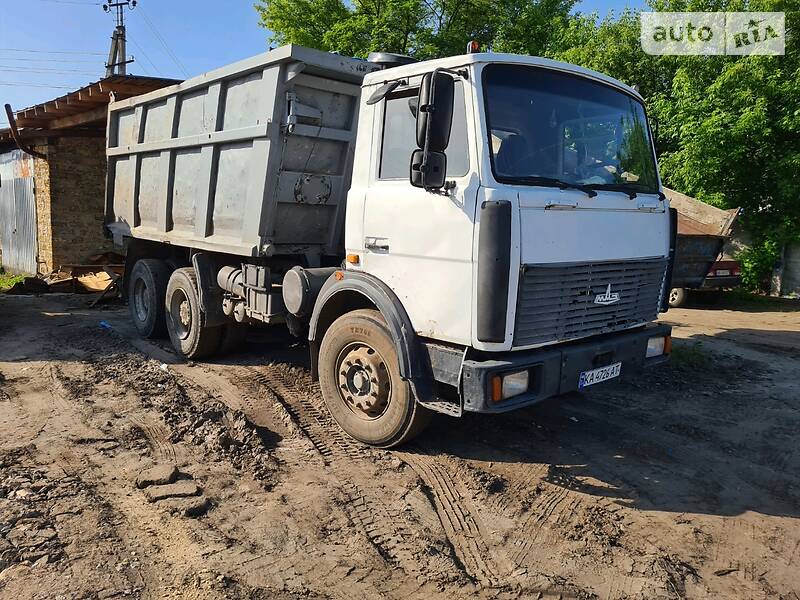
615 187
553 182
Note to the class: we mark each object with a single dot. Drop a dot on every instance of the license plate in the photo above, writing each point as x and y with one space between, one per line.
588 378
723 272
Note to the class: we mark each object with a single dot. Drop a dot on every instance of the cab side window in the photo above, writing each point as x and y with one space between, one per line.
399 135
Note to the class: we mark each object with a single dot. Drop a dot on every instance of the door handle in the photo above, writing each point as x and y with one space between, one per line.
560 203
376 244
648 205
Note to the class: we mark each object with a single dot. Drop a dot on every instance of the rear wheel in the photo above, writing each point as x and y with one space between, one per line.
360 379
147 288
184 320
678 297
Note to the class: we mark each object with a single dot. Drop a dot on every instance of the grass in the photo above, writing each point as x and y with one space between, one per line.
690 356
745 297
7 280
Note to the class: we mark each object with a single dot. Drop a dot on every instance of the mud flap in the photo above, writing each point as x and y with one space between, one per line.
209 293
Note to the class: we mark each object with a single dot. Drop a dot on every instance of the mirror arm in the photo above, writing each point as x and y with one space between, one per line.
463 73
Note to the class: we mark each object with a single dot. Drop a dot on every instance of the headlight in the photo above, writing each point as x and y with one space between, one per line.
509 385
656 346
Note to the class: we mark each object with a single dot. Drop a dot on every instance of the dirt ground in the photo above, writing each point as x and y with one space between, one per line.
681 483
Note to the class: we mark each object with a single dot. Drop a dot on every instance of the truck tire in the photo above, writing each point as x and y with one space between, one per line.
147 288
189 337
678 297
359 375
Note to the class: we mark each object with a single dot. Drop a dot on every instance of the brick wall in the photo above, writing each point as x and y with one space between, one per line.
44 235
77 199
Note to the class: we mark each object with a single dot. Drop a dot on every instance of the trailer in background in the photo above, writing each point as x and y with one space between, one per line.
703 231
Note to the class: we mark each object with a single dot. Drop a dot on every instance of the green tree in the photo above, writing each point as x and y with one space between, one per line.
421 28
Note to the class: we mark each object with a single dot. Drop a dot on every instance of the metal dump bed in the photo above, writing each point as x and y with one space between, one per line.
702 232
252 159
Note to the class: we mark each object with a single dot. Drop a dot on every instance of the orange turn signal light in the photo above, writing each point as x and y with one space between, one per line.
339 275
497 388
667 344
353 259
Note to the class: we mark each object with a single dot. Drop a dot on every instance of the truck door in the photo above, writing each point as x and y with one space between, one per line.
418 242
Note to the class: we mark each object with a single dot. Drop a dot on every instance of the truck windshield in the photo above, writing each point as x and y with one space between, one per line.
546 125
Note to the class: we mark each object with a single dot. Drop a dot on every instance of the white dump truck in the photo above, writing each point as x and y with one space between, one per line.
474 233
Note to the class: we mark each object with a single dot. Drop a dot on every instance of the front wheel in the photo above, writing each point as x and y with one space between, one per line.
360 379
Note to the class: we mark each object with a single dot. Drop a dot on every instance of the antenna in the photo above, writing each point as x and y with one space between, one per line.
117 59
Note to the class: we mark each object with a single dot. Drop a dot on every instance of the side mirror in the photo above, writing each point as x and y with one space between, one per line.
435 111
428 169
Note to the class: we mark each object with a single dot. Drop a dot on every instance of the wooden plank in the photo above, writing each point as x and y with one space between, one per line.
28 134
96 114
36 121
125 88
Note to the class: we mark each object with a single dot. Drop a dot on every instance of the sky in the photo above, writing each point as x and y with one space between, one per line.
51 47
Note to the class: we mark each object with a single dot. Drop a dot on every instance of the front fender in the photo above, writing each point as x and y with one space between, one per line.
414 366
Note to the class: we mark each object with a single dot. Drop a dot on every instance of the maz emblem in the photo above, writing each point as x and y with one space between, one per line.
607 297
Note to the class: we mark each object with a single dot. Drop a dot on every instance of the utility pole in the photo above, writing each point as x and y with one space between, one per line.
117 58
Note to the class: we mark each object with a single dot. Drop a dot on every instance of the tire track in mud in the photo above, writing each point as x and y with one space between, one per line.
540 516
464 531
458 518
156 435
157 438
330 444
383 530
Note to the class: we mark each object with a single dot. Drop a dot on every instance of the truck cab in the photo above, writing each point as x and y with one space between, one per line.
517 123
536 265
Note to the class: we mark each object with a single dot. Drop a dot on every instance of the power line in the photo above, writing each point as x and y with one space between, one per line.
73 2
18 69
164 43
51 51
40 85
50 60
147 58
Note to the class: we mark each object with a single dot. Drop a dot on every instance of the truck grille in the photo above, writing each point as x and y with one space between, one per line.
557 302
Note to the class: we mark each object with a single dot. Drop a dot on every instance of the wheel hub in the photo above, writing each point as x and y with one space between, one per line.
185 314
180 314
140 300
364 381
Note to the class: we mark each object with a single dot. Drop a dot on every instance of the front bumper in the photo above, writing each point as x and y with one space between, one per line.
556 370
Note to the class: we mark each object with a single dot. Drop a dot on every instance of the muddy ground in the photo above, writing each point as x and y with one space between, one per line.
681 483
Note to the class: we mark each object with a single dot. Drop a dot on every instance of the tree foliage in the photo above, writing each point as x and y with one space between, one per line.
422 28
729 126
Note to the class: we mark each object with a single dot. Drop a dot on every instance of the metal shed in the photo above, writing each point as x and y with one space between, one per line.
17 212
